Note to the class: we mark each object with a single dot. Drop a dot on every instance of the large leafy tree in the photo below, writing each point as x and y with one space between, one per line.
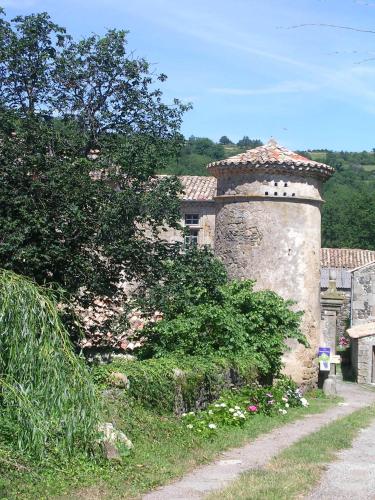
83 129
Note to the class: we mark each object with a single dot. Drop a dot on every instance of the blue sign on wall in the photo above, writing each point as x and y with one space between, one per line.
324 356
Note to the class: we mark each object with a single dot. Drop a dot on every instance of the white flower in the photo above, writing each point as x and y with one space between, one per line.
217 405
212 426
282 411
184 415
237 408
190 426
210 412
304 402
242 415
286 405
191 413
223 405
285 399
231 410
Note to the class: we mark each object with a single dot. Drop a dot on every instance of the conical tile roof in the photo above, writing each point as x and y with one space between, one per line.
274 157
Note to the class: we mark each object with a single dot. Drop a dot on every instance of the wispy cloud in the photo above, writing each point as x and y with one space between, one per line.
288 87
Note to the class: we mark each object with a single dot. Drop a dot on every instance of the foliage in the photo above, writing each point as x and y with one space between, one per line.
233 408
193 277
48 404
197 152
225 140
78 118
170 384
248 143
349 213
236 320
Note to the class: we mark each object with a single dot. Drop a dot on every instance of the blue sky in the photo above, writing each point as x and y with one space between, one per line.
243 70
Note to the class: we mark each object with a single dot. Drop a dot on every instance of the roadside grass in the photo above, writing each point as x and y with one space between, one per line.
295 471
164 449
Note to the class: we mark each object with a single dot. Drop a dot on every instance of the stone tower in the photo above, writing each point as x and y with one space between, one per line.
268 228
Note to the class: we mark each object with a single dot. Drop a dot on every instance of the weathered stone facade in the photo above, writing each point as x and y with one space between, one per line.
363 303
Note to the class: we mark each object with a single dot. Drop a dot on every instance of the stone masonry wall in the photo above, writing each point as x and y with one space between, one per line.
363 306
365 359
276 241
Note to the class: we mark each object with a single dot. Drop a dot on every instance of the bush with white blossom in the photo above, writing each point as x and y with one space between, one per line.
235 407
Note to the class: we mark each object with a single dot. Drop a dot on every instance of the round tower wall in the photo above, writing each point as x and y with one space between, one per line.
268 184
276 241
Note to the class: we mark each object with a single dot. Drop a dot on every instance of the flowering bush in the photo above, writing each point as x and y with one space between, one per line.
344 342
236 407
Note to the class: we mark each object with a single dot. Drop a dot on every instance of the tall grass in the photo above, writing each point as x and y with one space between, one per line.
48 403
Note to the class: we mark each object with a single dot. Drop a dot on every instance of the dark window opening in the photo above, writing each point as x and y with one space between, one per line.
284 194
276 183
192 219
293 194
275 193
285 184
266 193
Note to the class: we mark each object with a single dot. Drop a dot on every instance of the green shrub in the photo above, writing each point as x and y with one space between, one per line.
47 399
236 321
177 385
234 408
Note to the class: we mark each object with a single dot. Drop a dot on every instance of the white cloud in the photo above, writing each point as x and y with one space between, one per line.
288 87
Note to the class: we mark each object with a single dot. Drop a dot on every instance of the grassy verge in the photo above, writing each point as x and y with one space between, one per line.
164 449
296 471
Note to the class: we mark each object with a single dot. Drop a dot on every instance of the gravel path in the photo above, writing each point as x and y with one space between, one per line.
259 452
353 474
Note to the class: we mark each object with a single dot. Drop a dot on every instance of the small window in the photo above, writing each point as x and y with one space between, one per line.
284 194
192 219
293 194
285 184
191 239
275 193
276 183
266 193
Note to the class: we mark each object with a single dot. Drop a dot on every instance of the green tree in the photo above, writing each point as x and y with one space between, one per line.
225 140
191 278
233 320
83 129
248 143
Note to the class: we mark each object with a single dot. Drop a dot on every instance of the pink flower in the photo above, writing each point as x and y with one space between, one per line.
252 408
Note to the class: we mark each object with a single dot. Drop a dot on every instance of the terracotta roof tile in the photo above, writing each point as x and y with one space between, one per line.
198 188
272 155
350 258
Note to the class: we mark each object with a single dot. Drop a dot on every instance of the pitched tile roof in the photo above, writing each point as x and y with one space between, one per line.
349 258
198 187
272 155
